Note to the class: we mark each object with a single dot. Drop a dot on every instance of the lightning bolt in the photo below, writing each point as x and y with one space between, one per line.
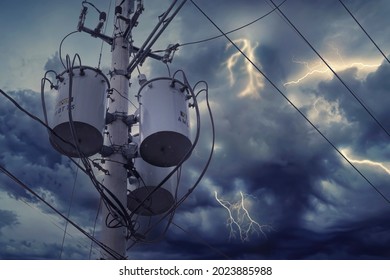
339 64
319 68
240 221
255 79
367 162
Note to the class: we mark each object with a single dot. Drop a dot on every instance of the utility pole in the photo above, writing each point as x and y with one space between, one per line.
116 180
119 153
164 128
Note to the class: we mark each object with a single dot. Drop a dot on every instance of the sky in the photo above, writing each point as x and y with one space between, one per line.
291 193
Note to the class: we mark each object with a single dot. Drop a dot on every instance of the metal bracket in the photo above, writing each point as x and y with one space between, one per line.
130 150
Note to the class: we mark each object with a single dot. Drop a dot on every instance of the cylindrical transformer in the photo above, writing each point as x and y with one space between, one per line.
144 198
88 104
164 122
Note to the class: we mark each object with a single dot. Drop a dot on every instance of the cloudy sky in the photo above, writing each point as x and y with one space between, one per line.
292 194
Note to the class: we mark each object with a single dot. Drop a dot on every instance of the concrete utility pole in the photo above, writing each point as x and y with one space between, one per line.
116 181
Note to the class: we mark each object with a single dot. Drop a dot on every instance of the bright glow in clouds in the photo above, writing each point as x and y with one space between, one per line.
320 70
239 220
254 81
376 164
327 112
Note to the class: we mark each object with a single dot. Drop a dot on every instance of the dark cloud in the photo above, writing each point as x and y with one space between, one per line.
7 218
316 205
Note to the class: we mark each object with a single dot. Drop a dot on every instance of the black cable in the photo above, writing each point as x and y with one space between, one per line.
212 146
60 47
202 241
234 30
104 32
333 71
364 30
69 209
293 105
92 5
126 98
27 188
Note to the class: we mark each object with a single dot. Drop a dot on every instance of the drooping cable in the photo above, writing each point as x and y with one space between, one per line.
60 47
234 30
331 69
92 5
368 35
94 226
69 209
292 104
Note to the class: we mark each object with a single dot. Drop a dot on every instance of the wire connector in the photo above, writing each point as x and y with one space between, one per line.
130 120
130 150
169 53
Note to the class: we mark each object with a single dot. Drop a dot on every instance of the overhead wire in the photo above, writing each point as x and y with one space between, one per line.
69 209
94 226
292 104
234 30
104 32
364 30
53 222
31 191
201 240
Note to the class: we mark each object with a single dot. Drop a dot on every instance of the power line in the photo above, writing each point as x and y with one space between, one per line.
104 32
53 222
333 71
234 30
31 191
292 104
202 241
68 214
364 30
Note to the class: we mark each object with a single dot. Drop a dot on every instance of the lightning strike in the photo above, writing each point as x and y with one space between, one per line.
240 221
321 69
371 163
255 80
